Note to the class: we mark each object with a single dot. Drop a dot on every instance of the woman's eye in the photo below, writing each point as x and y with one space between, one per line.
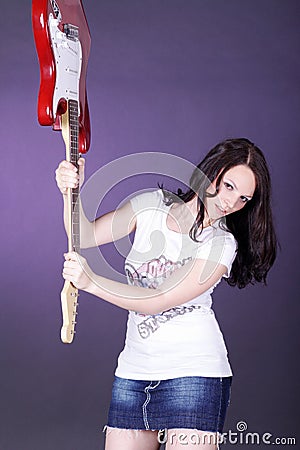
228 185
244 199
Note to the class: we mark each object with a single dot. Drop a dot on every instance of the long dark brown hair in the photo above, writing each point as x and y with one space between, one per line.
252 226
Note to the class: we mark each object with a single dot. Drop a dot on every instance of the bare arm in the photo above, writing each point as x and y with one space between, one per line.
184 284
107 228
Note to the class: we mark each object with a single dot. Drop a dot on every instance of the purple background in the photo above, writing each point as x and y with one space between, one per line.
175 76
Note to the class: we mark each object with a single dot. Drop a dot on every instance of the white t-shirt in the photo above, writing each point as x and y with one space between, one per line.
185 340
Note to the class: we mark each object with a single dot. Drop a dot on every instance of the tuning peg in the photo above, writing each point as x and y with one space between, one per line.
75 294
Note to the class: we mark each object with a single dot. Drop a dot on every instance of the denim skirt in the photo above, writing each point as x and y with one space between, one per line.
187 402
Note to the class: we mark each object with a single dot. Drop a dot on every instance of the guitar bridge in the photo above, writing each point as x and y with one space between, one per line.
71 32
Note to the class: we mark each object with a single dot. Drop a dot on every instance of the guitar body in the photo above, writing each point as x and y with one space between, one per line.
49 18
63 44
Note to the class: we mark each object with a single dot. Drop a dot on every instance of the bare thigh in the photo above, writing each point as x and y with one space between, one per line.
121 439
190 439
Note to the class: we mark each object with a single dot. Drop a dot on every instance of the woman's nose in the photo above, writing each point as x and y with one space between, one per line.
230 201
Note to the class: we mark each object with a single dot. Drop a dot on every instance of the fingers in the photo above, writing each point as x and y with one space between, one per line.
81 164
75 270
71 256
71 273
67 175
71 266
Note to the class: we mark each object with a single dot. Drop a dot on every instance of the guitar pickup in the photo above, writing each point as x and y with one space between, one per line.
71 32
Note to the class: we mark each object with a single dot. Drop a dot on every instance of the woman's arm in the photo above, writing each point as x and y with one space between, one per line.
184 284
107 228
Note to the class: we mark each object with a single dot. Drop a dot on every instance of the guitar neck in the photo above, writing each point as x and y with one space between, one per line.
70 132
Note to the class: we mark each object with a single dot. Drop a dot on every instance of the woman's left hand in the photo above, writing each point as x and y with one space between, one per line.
77 270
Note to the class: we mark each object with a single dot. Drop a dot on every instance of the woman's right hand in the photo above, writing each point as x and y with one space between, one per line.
67 176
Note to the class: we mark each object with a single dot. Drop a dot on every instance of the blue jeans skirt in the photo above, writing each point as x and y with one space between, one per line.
188 402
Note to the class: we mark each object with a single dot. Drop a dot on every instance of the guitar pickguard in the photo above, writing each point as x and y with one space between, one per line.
68 58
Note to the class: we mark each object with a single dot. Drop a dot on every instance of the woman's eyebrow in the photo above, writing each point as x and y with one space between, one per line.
248 196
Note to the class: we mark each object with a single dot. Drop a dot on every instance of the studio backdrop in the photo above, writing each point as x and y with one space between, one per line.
170 77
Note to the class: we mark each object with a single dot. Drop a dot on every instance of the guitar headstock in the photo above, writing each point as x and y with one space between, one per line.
63 42
69 304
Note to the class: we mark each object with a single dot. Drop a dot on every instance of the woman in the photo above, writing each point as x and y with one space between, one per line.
173 373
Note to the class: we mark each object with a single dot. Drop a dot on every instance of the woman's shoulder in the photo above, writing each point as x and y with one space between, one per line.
218 234
219 245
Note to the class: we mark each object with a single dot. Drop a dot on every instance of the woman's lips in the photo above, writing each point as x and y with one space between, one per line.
221 210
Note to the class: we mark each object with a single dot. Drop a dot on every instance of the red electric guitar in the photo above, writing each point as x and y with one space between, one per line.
63 43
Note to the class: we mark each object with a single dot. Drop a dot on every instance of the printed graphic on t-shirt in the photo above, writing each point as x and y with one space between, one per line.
152 273
151 324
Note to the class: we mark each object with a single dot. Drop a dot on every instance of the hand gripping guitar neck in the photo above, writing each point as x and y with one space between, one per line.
63 43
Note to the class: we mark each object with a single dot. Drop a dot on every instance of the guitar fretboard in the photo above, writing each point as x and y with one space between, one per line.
74 155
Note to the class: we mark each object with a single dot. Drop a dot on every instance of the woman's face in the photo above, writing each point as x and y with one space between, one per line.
236 188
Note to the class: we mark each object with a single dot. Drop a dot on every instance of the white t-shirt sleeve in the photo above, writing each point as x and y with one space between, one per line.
220 249
145 201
